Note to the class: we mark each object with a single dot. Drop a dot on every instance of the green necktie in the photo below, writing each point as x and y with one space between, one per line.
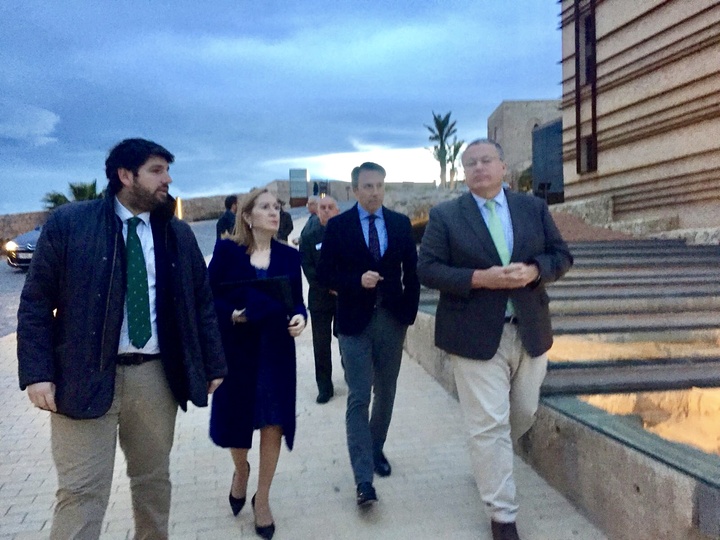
498 236
138 299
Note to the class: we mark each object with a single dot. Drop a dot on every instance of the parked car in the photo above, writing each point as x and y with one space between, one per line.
19 251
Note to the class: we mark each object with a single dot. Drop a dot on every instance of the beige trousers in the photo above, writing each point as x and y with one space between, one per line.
498 398
142 417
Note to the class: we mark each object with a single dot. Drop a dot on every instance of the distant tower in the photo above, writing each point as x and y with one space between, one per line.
298 187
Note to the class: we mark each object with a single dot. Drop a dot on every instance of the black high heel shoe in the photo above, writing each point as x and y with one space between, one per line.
267 531
236 504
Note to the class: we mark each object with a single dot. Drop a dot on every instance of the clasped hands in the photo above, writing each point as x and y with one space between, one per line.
295 326
512 276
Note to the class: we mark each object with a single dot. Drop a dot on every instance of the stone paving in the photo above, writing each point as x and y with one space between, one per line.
430 495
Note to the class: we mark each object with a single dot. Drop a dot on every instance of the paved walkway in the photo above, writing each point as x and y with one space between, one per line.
430 495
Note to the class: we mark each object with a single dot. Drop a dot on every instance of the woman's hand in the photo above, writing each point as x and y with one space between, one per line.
297 325
238 316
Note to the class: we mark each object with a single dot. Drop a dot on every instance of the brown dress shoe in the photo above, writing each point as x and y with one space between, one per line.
504 531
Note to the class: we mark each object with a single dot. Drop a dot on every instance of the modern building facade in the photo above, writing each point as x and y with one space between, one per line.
641 107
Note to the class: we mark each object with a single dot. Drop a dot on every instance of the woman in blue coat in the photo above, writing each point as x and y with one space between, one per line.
257 286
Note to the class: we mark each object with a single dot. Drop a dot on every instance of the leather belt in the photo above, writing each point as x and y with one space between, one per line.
135 359
512 319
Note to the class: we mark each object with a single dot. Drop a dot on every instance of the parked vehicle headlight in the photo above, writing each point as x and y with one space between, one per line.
11 246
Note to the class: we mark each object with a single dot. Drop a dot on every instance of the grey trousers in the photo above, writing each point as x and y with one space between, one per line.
372 364
142 416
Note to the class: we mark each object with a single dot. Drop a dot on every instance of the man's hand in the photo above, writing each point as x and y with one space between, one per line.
512 276
370 279
213 385
42 395
296 325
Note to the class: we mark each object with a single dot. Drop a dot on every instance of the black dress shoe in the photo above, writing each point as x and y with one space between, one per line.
266 531
504 531
324 396
236 504
366 494
382 467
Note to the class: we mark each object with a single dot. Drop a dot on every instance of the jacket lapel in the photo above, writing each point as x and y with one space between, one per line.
476 223
517 216
358 238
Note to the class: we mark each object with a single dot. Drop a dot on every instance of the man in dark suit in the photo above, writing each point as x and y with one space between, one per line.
369 258
490 252
321 301
226 223
286 223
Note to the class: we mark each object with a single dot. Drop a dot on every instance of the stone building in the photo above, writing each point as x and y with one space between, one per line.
641 108
511 125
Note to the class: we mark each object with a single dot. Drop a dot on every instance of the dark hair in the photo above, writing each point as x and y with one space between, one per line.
131 154
367 166
497 146
229 201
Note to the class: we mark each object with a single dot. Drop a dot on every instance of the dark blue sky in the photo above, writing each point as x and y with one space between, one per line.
241 91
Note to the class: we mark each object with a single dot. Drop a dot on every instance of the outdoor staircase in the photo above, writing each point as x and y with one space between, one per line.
630 286
638 290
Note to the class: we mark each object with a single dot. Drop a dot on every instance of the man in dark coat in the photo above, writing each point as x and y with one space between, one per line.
286 224
116 328
369 258
321 301
226 223
490 252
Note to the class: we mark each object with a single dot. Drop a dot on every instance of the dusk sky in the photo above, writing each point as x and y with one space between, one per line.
242 91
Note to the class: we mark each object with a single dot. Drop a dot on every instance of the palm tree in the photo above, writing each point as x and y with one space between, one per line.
78 191
453 155
440 133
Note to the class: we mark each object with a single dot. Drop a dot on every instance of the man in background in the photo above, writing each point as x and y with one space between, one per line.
321 301
286 223
226 223
312 220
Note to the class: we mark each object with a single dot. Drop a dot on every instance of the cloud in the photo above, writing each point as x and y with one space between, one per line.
401 164
27 123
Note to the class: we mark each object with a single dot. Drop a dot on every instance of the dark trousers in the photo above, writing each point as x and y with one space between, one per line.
322 323
372 364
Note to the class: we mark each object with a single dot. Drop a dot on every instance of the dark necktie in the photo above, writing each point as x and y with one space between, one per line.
138 299
373 240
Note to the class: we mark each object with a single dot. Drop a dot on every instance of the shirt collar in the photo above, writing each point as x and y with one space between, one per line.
499 199
124 214
364 214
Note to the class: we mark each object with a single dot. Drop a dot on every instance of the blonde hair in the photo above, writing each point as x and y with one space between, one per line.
242 233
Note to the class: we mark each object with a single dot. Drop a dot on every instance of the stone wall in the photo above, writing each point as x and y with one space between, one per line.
202 208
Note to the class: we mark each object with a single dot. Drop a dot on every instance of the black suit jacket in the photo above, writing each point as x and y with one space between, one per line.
345 257
319 297
469 322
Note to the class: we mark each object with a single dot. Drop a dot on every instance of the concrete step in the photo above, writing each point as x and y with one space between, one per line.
658 272
712 251
621 280
630 242
628 323
632 375
573 291
619 306
635 261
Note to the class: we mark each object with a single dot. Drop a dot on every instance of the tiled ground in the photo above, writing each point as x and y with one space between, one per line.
430 495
